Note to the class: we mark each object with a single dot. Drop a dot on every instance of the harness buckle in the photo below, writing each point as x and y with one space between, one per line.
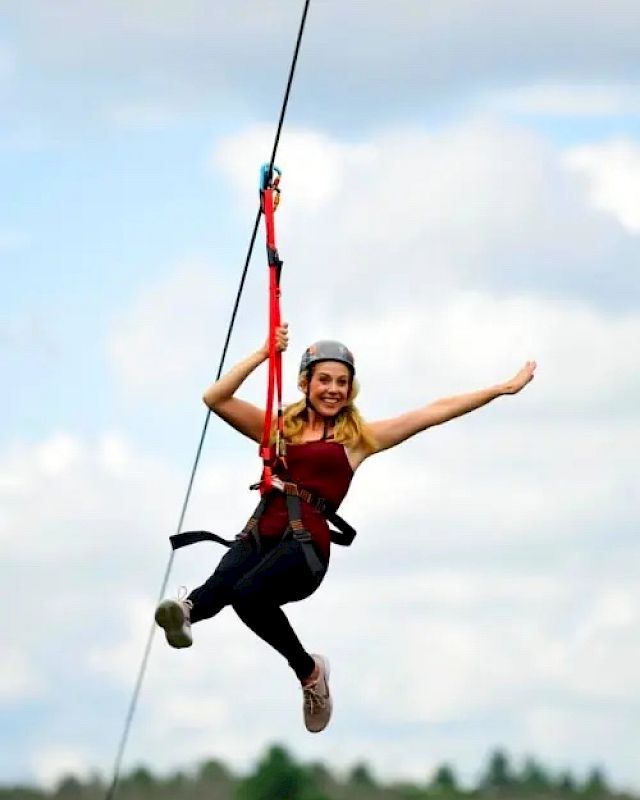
281 445
303 536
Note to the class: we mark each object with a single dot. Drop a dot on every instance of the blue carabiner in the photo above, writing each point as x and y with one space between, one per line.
267 180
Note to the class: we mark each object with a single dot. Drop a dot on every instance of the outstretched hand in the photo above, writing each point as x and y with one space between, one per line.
521 379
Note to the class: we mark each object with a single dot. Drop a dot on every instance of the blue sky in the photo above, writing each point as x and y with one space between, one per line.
461 193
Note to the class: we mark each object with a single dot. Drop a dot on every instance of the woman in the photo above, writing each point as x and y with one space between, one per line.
327 440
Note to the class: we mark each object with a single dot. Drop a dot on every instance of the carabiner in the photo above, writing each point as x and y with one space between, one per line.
271 181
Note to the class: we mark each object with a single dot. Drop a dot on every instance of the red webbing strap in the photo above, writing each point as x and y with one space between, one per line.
274 383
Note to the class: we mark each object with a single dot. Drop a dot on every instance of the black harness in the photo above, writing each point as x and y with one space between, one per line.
344 535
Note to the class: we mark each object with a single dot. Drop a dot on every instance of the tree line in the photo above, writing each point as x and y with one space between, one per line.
278 776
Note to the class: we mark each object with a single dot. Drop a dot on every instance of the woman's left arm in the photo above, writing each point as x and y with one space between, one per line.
391 432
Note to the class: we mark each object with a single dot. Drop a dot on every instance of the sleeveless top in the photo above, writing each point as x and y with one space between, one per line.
320 467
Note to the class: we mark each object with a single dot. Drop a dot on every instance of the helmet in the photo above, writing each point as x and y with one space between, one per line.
327 350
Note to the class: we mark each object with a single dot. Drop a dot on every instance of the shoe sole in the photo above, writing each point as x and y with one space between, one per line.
170 617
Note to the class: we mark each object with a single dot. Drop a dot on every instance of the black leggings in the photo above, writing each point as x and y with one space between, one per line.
256 582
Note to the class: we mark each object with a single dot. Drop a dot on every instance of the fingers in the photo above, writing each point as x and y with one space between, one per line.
282 337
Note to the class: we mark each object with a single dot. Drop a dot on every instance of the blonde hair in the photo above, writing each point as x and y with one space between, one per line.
349 427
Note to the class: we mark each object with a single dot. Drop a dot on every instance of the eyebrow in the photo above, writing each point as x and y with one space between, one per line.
329 375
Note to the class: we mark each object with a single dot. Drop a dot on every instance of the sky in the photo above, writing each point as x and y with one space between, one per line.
461 193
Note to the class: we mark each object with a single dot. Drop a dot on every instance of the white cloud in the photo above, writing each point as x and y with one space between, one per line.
170 331
19 677
568 100
55 761
58 454
488 574
472 339
451 240
418 57
451 569
612 171
416 215
316 165
485 555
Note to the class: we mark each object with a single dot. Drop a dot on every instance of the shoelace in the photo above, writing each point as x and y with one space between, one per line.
313 700
182 598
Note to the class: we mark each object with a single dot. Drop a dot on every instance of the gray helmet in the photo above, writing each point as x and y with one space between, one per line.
327 350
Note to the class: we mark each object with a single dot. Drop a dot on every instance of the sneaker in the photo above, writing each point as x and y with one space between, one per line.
174 616
317 705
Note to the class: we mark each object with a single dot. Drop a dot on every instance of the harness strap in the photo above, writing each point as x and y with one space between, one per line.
345 534
302 535
186 538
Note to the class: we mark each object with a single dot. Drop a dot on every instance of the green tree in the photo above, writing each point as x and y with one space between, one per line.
213 771
444 780
361 776
567 783
69 788
21 793
140 781
499 774
534 777
278 777
596 783
213 780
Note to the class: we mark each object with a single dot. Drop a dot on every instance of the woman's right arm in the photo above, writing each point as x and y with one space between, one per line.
219 397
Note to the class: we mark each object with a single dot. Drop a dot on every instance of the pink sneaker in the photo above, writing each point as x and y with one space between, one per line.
317 705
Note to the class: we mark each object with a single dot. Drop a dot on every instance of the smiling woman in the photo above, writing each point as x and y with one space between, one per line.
282 555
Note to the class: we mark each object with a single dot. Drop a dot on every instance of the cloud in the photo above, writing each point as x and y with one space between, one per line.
415 60
568 100
55 761
612 172
491 555
317 165
475 338
462 271
416 215
171 331
19 677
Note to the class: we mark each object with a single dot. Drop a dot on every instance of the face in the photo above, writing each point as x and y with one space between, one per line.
329 387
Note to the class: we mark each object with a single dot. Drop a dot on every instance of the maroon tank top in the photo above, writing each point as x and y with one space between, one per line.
320 467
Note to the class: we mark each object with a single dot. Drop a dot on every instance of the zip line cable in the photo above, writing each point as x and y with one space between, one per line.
147 650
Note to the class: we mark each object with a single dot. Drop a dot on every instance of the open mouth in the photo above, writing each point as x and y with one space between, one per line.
330 405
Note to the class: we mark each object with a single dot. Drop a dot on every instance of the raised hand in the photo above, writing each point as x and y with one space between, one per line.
521 378
282 339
